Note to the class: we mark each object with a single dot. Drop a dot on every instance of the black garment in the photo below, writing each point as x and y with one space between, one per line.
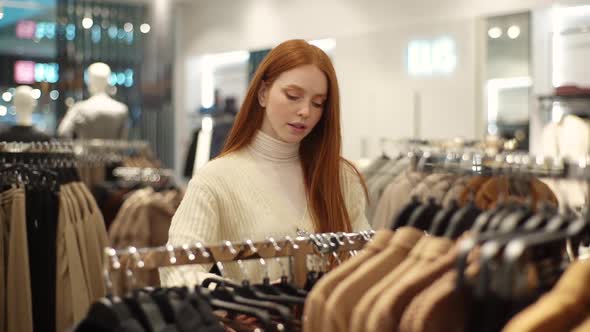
41 213
189 162
25 134
222 125
104 318
197 315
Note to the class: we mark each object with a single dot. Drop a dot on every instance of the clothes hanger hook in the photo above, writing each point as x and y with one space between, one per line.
202 249
189 253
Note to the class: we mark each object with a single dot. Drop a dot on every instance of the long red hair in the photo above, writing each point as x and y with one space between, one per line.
320 150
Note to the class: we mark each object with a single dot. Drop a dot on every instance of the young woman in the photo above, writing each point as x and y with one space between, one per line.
280 172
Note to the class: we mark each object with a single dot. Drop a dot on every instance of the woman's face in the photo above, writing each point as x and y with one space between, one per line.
294 103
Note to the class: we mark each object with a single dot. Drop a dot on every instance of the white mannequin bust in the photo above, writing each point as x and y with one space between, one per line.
25 104
100 116
98 78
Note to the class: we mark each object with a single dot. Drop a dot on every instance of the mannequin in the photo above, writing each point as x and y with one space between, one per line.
100 116
23 130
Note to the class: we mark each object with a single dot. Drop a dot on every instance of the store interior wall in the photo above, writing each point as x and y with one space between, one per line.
379 99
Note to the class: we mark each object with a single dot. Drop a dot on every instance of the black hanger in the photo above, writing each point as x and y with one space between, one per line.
247 296
145 311
286 287
402 218
423 215
462 220
482 221
541 218
263 316
551 239
516 220
268 289
495 222
443 218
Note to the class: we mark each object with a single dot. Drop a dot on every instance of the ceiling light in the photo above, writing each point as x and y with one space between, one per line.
54 95
145 28
3 110
495 32
128 27
36 93
87 23
7 96
513 32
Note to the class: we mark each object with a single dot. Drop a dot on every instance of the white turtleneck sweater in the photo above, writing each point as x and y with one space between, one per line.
254 193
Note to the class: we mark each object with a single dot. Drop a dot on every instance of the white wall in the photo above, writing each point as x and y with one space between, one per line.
377 95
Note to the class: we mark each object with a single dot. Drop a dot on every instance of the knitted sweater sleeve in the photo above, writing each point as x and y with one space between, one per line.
196 220
356 200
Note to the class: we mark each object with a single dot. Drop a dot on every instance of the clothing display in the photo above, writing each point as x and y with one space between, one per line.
143 221
218 304
243 195
98 117
51 244
413 277
222 125
97 159
568 138
444 189
20 133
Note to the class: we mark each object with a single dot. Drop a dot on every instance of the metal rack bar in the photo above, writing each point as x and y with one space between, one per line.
197 253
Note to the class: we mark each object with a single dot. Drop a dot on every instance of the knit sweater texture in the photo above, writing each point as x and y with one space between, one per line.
251 194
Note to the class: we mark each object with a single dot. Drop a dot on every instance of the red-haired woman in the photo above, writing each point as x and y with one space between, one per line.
280 171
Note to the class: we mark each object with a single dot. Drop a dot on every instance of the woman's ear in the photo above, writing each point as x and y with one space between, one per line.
263 94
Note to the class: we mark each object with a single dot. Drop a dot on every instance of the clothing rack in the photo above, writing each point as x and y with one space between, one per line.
144 175
110 150
37 147
324 245
505 163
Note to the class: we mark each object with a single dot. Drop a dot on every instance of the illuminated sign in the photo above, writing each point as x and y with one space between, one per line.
431 57
24 72
29 72
26 29
35 30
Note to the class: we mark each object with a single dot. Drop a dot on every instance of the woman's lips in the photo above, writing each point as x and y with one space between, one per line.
297 127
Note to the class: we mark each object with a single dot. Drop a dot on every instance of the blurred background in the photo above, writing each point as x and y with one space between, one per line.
420 69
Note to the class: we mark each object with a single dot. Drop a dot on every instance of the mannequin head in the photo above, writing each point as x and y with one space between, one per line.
25 105
98 78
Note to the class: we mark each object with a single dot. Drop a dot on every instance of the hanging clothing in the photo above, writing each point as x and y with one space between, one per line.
316 303
568 138
562 309
251 194
344 298
18 301
27 134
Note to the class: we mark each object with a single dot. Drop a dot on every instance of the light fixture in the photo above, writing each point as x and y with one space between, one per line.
128 27
513 32
145 28
1 10
3 110
495 32
7 96
54 95
87 23
36 93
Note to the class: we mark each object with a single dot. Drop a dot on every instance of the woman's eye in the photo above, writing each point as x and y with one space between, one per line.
291 97
318 105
